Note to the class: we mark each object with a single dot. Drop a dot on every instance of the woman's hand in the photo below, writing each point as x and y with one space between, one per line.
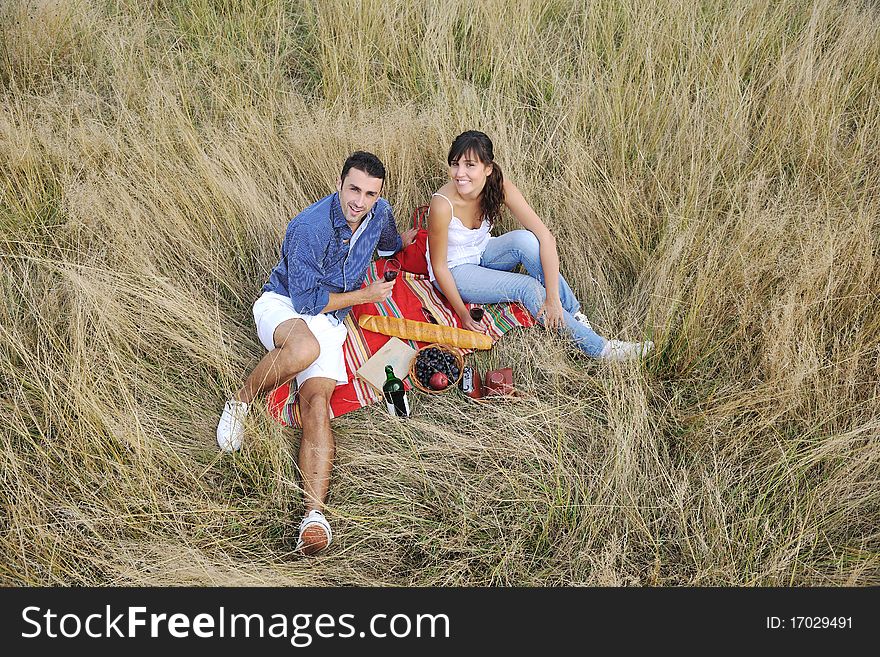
552 313
469 324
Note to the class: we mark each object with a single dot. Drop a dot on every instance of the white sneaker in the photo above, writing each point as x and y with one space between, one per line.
617 350
230 428
580 317
314 533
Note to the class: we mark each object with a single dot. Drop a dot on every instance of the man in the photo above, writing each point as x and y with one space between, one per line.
299 317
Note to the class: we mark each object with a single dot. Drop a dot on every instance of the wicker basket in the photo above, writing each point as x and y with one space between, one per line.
459 359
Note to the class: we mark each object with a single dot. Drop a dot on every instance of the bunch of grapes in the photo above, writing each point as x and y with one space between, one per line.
433 360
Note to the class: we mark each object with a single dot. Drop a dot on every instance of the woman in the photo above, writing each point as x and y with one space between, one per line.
468 265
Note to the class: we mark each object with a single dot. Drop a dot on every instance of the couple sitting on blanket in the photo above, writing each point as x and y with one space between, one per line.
324 258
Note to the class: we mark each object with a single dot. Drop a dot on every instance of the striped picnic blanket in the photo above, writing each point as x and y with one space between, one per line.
414 297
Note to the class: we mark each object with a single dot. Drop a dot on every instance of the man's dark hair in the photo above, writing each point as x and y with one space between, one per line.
366 162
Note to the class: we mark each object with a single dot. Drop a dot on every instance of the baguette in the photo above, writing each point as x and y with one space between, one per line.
409 329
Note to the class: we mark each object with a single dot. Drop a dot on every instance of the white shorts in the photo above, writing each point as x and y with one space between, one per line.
271 309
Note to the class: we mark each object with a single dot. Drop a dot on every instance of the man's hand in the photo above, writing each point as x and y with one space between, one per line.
409 236
378 291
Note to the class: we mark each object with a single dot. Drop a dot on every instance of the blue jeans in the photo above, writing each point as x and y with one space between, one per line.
493 281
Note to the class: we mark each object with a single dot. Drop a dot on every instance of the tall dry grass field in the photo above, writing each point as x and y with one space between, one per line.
711 171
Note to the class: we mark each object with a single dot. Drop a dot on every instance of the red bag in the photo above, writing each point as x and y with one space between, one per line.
499 382
412 258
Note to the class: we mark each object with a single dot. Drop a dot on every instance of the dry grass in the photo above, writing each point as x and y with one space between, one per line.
711 172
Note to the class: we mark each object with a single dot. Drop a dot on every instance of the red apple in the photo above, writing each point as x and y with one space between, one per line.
438 381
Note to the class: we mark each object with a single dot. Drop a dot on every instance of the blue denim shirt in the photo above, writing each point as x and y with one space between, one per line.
316 259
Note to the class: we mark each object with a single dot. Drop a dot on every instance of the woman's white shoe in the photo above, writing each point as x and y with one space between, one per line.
581 318
617 350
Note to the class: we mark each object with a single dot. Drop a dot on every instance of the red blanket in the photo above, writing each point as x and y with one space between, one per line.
414 297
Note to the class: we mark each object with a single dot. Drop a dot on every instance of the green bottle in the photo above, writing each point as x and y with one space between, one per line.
395 394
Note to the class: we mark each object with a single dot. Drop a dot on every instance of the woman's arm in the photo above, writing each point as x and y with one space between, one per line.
528 219
440 215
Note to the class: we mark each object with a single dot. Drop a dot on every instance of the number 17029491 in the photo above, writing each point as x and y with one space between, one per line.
820 622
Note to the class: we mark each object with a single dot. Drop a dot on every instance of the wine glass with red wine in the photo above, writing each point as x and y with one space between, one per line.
392 269
477 314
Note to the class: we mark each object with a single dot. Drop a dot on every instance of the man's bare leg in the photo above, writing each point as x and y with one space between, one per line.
317 446
295 349
316 451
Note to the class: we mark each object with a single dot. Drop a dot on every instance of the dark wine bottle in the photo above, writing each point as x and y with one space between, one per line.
395 394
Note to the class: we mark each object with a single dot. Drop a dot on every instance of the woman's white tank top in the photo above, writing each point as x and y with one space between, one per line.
464 245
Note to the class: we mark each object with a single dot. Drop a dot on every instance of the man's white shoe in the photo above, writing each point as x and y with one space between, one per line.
580 317
314 533
230 429
617 350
